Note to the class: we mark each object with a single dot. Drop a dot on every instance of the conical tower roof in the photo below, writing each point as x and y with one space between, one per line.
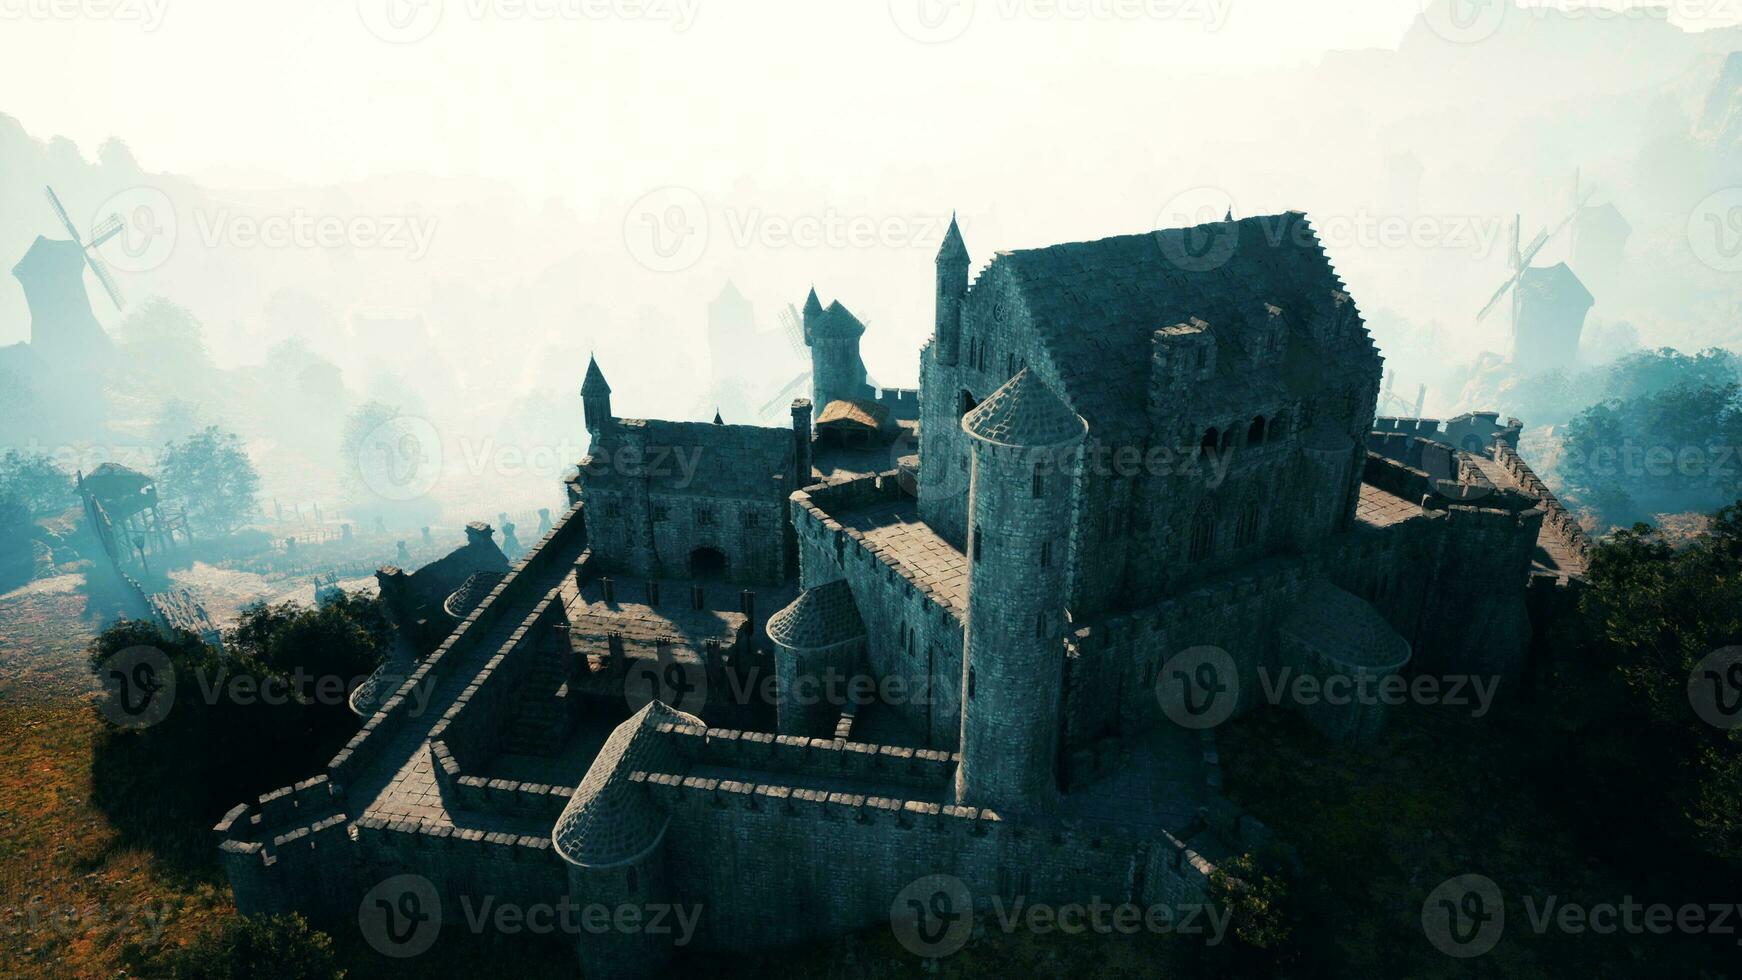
820 617
953 250
595 380
1024 412
611 820
837 322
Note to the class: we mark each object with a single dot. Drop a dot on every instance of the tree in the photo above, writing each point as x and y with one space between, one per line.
346 637
32 482
165 339
279 947
360 425
211 473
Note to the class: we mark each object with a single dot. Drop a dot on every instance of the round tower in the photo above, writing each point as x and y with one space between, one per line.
1025 442
952 282
611 838
818 642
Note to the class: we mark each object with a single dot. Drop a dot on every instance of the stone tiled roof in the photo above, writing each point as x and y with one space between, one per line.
820 617
595 380
610 820
1096 305
1345 630
1024 412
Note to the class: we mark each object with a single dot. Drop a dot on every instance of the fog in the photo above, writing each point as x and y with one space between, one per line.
455 205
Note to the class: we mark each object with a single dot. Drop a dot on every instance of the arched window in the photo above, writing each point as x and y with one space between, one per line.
1228 438
1255 434
965 403
1203 543
1246 532
1212 438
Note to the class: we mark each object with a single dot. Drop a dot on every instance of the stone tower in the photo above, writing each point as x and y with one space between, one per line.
1548 318
952 282
1024 443
595 398
817 641
833 334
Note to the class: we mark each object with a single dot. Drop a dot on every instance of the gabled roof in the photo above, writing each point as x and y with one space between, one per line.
1024 412
1095 305
611 820
820 617
850 412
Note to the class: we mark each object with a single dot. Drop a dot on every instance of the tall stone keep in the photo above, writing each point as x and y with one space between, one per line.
1024 444
595 398
952 283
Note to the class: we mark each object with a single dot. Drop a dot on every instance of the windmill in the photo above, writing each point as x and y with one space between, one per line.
104 230
1520 259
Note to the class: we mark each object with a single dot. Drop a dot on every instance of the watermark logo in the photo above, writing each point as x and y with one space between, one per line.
400 459
666 229
1192 231
677 678
1715 230
932 21
400 21
148 14
138 687
933 917
148 229
1199 687
1464 916
1464 21
303 229
402 916
1715 688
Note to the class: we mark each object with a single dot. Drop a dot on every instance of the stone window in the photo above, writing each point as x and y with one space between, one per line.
705 516
659 512
612 507
970 683
1039 484
1212 439
1203 542
1046 554
752 519
1255 434
1246 532
965 403
977 534
1040 624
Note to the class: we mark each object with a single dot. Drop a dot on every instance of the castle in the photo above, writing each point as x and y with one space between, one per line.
1135 476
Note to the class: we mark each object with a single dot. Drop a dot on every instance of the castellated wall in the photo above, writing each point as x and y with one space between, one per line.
773 865
293 849
892 607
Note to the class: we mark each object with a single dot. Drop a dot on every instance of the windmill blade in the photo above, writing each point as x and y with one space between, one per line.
1530 250
1489 308
102 274
791 324
61 212
106 229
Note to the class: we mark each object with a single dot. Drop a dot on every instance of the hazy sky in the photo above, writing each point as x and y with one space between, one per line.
565 97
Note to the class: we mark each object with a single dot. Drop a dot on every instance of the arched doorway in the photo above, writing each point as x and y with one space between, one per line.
707 563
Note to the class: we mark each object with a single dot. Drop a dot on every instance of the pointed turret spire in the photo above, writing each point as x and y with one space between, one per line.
717 419
595 380
812 304
953 248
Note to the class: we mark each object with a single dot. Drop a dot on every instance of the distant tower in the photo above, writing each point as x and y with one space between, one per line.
1024 439
731 335
595 398
952 268
63 329
837 371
